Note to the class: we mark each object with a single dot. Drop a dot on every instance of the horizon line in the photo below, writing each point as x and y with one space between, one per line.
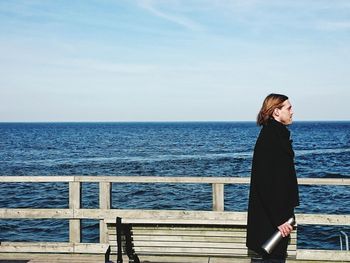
160 121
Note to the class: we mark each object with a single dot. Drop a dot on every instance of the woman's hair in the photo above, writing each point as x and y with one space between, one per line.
270 103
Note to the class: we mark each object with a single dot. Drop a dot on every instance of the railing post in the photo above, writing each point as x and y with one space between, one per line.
74 203
218 197
105 203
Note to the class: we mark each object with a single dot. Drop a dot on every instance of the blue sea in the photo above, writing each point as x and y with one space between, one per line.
221 149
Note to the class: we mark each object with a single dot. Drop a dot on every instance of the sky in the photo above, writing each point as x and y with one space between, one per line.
172 60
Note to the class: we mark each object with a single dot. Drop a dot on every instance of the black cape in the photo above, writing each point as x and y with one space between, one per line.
273 187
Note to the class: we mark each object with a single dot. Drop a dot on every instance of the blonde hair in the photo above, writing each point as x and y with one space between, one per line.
271 102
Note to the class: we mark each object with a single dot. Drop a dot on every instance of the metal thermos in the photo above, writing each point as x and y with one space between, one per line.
272 242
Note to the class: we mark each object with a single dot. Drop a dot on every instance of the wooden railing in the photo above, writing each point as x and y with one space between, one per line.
75 213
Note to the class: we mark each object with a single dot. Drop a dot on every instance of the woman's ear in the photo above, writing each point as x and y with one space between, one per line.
276 112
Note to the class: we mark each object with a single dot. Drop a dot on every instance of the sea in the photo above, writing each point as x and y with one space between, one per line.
214 149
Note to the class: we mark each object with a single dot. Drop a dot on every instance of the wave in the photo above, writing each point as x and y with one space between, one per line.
322 151
228 156
157 158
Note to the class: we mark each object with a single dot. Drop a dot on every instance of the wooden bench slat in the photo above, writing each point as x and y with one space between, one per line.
191 227
184 233
194 245
160 233
190 238
188 229
291 248
195 251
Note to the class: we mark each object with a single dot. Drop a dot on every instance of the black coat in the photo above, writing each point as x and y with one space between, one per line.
273 187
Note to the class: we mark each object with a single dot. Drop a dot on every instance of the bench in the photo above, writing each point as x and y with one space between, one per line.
166 236
55 251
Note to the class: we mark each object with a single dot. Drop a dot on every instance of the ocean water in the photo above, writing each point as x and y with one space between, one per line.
162 149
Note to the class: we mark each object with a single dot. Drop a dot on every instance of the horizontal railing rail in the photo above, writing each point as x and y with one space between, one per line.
160 179
53 213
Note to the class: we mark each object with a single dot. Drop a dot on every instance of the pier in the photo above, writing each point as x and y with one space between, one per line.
216 235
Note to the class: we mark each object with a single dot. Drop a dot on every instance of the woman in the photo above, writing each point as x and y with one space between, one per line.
273 187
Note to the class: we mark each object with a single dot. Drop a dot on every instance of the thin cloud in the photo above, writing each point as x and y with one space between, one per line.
103 66
152 6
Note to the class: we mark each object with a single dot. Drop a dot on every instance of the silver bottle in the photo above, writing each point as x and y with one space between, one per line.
272 242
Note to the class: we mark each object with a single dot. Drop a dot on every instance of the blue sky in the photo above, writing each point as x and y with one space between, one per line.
172 60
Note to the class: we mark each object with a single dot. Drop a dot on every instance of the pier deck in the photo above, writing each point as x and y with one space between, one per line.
74 251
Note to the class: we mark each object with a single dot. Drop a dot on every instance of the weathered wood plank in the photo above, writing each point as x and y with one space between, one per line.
74 203
105 200
168 238
193 245
158 179
323 181
218 197
103 231
322 219
220 229
193 259
53 247
191 251
52 258
186 233
164 179
326 255
105 196
174 216
28 213
39 247
166 216
36 179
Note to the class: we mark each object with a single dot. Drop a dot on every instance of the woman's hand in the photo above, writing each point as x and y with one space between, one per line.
285 229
